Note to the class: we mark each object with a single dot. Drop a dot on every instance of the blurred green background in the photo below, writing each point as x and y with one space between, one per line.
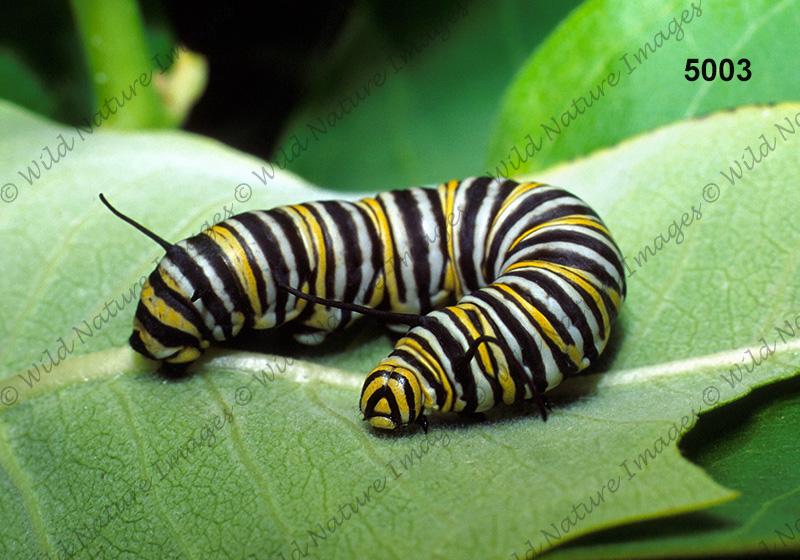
254 74
461 83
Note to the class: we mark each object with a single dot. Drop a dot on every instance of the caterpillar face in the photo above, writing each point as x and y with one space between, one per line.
391 397
179 315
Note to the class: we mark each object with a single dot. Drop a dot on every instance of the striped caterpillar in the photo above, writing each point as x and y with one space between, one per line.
505 301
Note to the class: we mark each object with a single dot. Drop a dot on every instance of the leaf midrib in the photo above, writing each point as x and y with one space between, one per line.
303 372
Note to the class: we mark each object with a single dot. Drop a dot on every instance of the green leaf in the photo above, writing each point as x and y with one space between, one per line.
748 446
85 451
19 84
603 38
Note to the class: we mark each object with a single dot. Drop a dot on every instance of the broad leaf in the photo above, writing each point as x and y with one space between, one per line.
100 457
748 446
645 47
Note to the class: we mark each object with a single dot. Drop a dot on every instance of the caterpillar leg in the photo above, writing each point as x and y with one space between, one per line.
473 417
173 371
422 420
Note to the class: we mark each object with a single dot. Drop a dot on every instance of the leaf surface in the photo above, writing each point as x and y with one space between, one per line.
646 53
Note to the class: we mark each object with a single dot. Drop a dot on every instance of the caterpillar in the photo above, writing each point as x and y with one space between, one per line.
507 288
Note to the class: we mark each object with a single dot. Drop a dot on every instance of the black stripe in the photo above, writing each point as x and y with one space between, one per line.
179 303
375 257
201 284
518 376
462 369
250 316
164 334
476 196
395 266
409 393
528 212
415 365
385 393
326 252
412 217
219 262
531 355
571 311
534 248
274 251
562 359
246 221
345 229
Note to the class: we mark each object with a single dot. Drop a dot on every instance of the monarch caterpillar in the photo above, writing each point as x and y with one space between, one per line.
512 295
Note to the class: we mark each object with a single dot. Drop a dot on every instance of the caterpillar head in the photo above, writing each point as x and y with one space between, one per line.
392 398
179 301
162 329
176 307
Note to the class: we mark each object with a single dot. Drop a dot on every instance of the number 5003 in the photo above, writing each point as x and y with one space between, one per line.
709 69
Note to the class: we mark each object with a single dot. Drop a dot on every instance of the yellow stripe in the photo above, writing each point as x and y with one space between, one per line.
165 313
170 281
314 229
503 375
377 296
579 277
451 188
514 195
399 394
314 240
483 350
549 331
568 220
412 347
391 362
172 354
517 192
447 194
153 346
241 265
474 334
385 240
186 355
